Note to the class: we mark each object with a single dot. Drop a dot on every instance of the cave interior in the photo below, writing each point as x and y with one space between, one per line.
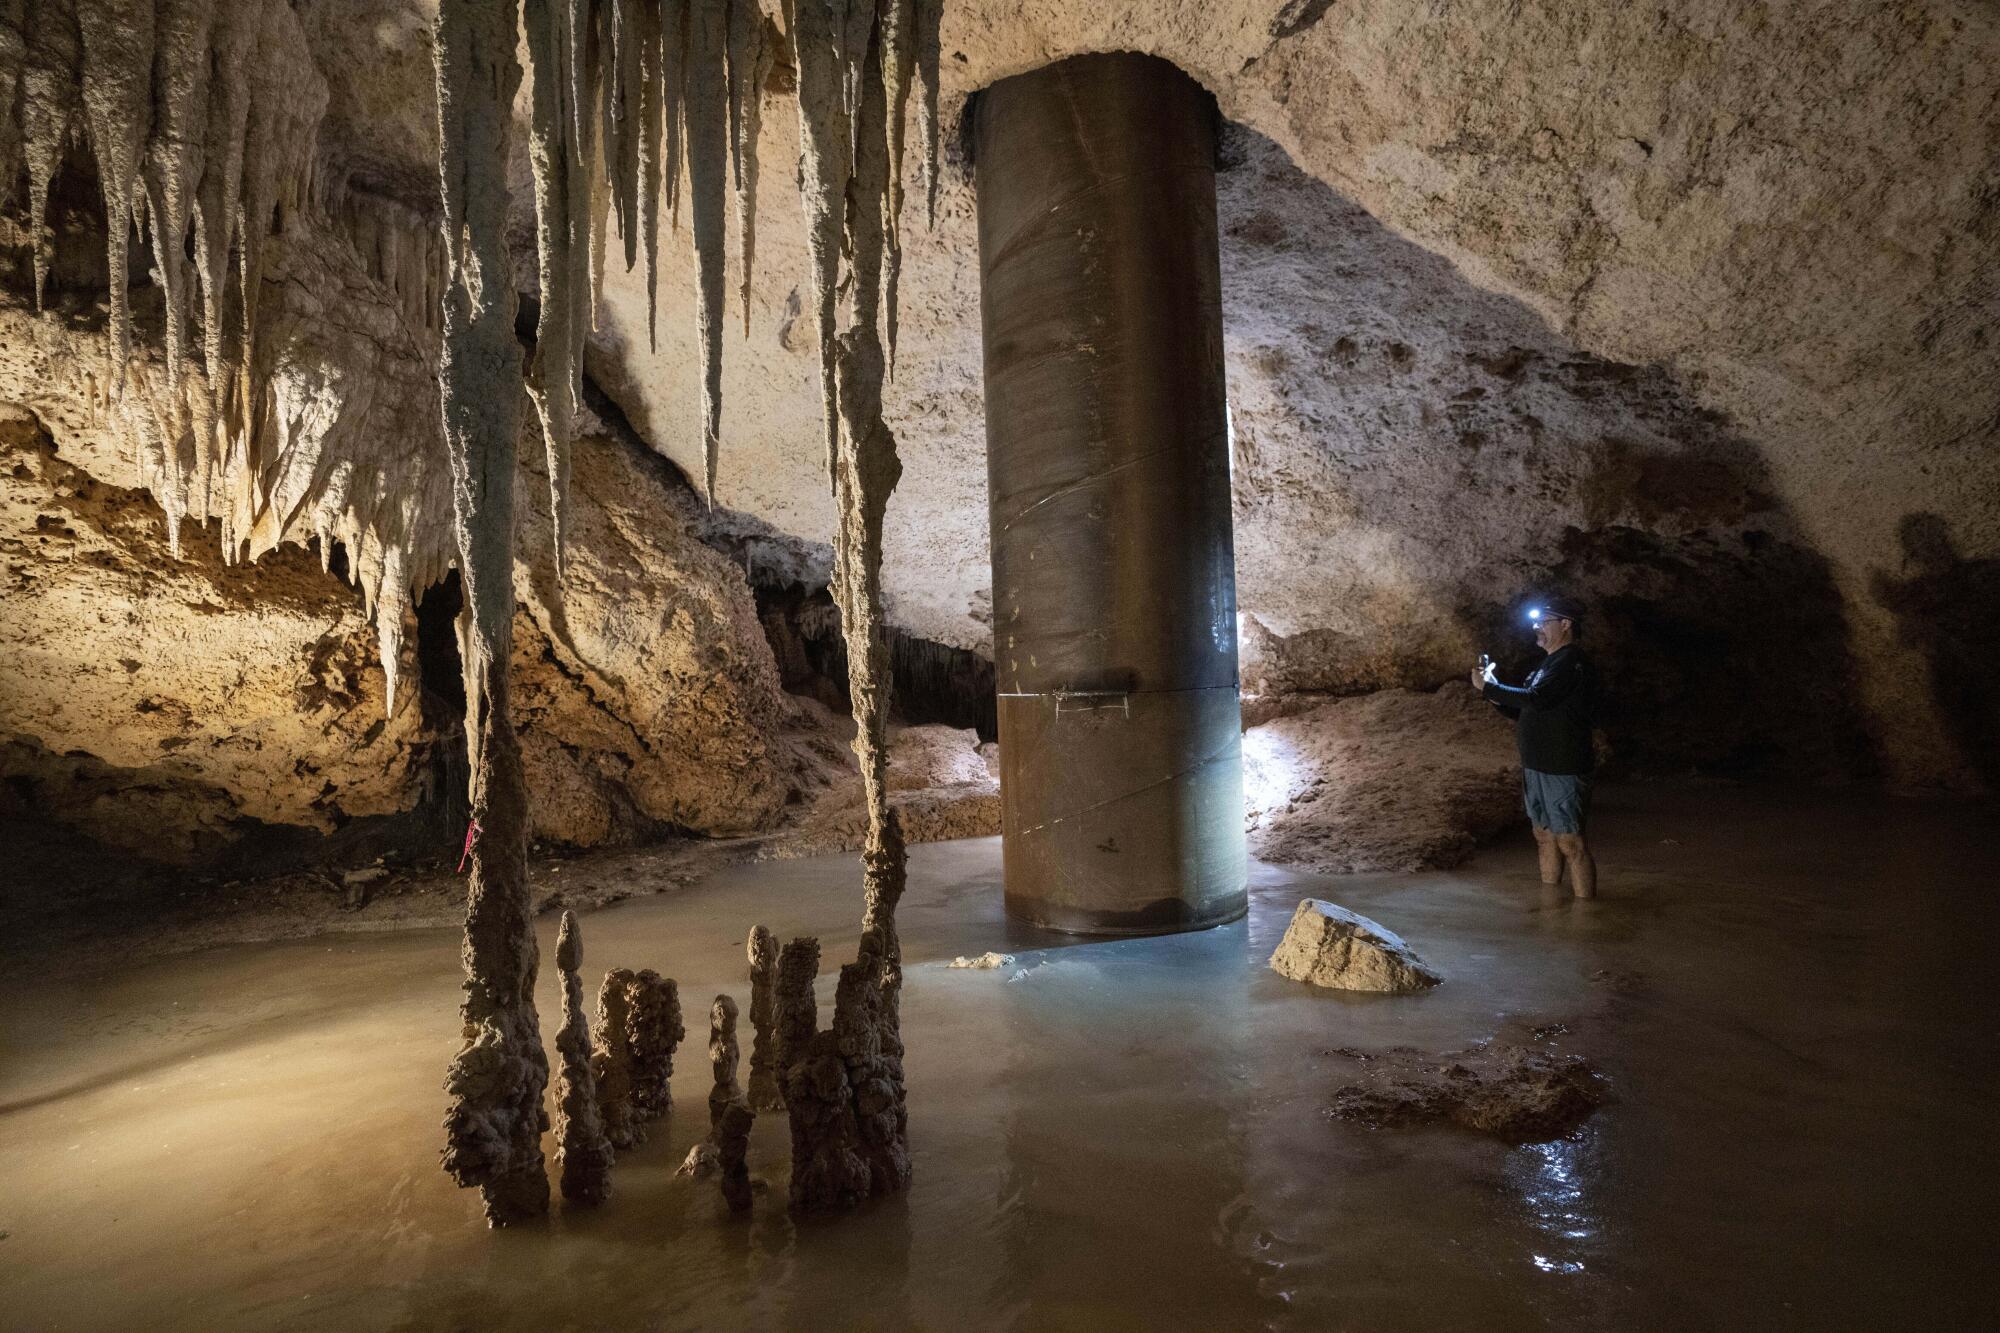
1248 664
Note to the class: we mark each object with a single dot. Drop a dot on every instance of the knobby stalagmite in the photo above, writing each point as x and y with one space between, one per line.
763 1092
496 1120
638 1028
583 1153
729 1115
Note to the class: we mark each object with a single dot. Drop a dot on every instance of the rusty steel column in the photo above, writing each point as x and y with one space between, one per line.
1114 572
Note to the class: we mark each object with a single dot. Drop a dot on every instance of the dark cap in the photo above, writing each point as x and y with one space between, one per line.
1555 608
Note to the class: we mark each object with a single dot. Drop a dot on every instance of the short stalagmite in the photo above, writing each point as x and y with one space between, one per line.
729 1115
763 1093
638 1027
828 1170
583 1153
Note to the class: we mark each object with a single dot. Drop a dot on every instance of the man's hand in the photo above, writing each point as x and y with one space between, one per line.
1482 676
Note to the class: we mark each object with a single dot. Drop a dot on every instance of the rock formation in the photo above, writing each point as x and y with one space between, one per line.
763 1093
583 1153
1327 945
1520 1091
494 1126
638 1027
828 1171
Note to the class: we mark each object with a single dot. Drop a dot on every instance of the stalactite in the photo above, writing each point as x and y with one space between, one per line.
673 76
172 165
930 19
652 99
899 62
552 373
118 109
750 59
706 99
596 97
51 98
623 157
824 166
497 1118
13 62
583 1153
764 1062
234 36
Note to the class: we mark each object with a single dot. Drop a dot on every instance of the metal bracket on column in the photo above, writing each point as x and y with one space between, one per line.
1082 701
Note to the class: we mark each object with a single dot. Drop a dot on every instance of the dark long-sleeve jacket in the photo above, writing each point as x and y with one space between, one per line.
1555 707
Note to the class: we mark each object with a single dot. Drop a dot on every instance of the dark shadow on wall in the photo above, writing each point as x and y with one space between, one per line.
1948 608
1495 461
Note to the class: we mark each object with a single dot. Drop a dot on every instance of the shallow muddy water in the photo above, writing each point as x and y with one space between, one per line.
1788 994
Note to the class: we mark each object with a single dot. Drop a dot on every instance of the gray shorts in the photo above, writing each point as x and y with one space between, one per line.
1558 802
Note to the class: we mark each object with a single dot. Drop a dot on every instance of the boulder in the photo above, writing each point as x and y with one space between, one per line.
1330 946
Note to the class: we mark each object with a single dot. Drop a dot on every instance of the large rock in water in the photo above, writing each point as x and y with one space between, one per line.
1328 945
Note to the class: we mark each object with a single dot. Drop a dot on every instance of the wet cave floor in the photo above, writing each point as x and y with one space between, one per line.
1787 992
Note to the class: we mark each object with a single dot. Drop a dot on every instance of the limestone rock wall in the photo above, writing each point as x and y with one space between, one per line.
154 703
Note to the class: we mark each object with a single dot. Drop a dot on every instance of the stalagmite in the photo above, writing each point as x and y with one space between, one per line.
827 1170
583 1153
764 1063
706 98
638 1027
611 1061
750 60
496 1120
729 1115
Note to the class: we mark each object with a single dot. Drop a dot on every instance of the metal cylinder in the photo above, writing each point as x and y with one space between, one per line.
1114 573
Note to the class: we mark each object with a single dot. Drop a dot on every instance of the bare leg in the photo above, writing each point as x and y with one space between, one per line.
1582 866
1550 854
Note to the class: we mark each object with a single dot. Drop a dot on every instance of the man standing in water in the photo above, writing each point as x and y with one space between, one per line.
1554 707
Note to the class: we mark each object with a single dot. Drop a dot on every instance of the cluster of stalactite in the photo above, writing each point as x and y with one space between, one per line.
202 120
629 93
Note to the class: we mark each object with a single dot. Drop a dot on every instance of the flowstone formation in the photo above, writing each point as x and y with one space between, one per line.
583 1153
638 1027
763 1093
495 1124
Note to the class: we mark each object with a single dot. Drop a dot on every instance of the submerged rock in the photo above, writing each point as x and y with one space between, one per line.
1523 1094
1330 946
